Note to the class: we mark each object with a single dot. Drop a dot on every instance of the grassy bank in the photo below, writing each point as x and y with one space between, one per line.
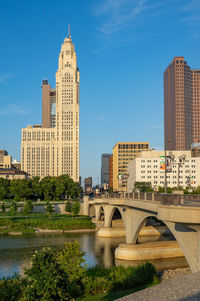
12 290
42 221
117 294
81 284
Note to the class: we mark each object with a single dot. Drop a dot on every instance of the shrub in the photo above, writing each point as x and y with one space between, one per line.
73 263
98 285
46 280
10 289
101 280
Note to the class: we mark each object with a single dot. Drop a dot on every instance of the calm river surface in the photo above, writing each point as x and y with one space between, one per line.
15 252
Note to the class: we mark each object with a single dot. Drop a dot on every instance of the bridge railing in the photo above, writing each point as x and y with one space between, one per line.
166 199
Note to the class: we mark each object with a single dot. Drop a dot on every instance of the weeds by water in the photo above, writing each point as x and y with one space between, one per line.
57 222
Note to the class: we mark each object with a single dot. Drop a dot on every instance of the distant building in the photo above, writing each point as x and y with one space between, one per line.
123 153
13 174
88 185
48 105
181 105
150 167
195 149
105 168
5 160
80 180
110 172
16 165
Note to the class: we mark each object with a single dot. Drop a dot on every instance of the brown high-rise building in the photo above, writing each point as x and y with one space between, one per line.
181 105
111 172
48 105
196 105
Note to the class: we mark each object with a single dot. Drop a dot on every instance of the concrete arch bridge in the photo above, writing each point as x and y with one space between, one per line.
181 215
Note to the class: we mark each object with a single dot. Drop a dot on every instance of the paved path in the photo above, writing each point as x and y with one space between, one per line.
185 288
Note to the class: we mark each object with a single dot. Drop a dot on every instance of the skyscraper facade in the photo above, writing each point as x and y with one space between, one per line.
48 105
54 150
105 168
181 105
111 172
123 153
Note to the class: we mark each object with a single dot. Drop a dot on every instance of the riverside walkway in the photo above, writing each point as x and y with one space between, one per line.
186 288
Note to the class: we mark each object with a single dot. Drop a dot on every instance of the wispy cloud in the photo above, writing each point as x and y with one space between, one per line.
117 13
157 126
191 12
7 76
141 18
13 110
102 117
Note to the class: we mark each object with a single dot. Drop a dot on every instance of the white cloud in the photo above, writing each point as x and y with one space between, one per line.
117 13
157 126
137 19
13 110
6 76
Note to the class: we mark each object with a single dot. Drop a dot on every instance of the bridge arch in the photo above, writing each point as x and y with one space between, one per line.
111 212
183 235
100 212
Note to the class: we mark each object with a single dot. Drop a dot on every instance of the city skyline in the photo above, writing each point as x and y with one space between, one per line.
121 61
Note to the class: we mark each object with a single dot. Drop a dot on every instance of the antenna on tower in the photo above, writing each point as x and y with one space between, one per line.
69 33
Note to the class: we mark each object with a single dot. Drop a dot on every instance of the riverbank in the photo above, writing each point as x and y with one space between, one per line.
41 223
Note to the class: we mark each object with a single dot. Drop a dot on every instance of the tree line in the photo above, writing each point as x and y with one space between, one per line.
48 188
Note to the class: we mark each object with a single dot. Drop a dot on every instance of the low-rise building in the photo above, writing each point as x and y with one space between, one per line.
16 165
5 160
182 169
13 174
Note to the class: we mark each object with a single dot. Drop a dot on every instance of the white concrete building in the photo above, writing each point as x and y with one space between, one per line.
149 166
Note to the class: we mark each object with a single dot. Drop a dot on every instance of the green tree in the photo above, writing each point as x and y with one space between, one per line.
3 208
196 190
28 207
46 279
75 207
68 206
143 186
59 189
36 188
71 258
21 188
49 208
4 188
13 210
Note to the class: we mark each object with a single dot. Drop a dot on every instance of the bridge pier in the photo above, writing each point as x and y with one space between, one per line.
149 251
188 237
135 220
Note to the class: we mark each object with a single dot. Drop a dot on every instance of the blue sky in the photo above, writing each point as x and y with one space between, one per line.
122 46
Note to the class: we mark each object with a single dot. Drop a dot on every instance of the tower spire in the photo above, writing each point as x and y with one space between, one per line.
69 33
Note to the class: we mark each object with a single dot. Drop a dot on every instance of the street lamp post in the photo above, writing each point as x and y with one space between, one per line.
165 171
169 141
181 161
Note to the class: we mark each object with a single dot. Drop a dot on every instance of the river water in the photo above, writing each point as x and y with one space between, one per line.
15 252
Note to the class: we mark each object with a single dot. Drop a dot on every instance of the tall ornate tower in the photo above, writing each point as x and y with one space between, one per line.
67 111
53 150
